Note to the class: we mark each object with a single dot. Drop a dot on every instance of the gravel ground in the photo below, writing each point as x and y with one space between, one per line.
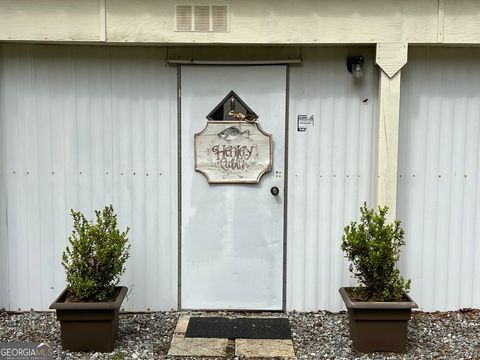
317 335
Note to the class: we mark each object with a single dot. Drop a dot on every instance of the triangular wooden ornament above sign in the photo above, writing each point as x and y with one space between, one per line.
231 102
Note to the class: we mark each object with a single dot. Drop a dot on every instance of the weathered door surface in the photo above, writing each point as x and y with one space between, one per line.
232 234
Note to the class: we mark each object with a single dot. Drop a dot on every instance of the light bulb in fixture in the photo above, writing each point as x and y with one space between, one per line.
355 66
357 71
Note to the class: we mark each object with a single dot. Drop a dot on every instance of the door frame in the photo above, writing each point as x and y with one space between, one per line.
179 179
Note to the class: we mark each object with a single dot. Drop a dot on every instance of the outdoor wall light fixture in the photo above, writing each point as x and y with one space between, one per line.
355 66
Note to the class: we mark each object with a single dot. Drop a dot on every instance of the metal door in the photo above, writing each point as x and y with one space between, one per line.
232 235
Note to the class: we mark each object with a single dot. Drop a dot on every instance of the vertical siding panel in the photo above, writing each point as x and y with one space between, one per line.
458 124
60 99
151 173
431 251
417 178
15 139
311 173
443 153
366 148
137 126
295 278
325 139
169 186
31 203
122 165
124 197
443 94
83 144
71 173
42 180
76 119
474 178
410 210
4 252
143 143
470 192
322 199
138 101
402 185
337 205
100 127
475 254
355 96
28 121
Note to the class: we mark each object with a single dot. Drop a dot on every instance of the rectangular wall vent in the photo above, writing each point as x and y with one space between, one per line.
183 18
220 18
202 18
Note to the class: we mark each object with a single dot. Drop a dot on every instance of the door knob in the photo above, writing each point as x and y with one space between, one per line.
274 190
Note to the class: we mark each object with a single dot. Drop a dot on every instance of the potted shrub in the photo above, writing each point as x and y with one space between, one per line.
378 307
94 261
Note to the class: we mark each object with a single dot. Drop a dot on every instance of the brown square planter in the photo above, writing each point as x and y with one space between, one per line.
88 326
378 326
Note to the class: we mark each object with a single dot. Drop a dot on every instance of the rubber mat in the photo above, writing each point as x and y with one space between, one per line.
239 328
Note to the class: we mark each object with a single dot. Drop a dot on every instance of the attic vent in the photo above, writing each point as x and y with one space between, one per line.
184 18
202 18
219 18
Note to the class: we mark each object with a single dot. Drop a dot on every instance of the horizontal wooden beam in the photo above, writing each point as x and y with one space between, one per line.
307 22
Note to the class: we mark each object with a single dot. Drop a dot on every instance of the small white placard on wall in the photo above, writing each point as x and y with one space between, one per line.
304 122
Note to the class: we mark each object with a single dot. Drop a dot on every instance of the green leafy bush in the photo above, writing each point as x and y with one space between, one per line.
373 248
94 261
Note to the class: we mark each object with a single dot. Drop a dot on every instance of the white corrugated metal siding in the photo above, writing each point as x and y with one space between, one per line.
439 176
330 174
85 127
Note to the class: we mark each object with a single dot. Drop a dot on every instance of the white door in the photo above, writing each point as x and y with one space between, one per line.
232 234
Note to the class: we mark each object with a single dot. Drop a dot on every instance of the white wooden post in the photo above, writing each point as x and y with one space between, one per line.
390 57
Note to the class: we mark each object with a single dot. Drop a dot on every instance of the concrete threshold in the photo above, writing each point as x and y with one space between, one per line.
219 347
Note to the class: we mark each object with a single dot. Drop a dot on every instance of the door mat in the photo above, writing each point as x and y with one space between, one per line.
239 328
